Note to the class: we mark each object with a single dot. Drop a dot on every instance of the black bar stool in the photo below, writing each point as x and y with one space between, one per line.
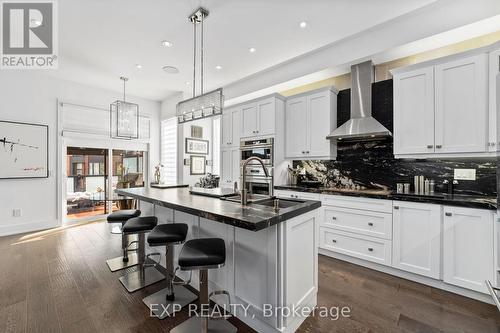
161 303
146 274
203 254
124 261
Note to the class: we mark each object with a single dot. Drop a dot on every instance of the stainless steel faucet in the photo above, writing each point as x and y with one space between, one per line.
244 194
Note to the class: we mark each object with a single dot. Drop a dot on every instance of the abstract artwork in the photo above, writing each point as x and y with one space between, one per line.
23 150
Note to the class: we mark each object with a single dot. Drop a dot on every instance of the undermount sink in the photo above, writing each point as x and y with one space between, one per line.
252 198
282 203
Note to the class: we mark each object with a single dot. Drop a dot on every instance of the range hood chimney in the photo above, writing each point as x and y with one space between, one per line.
361 126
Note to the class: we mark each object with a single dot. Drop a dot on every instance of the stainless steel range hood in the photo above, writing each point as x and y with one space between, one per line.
361 126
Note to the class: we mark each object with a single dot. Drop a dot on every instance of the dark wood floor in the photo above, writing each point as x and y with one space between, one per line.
57 281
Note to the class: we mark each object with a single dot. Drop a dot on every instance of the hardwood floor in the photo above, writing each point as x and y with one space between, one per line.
58 281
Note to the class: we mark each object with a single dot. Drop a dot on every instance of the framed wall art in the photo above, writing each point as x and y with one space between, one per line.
196 146
24 151
197 165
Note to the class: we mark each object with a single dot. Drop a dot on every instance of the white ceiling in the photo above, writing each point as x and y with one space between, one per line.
103 39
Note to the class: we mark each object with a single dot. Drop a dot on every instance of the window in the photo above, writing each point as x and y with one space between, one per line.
169 150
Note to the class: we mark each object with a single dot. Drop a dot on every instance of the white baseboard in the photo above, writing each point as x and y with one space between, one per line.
410 276
20 228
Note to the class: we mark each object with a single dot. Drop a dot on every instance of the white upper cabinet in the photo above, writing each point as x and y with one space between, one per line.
259 118
321 121
441 109
494 70
468 247
461 105
250 117
231 127
295 124
310 117
417 238
266 113
414 112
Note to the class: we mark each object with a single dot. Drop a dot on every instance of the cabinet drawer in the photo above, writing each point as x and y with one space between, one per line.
363 247
376 205
359 221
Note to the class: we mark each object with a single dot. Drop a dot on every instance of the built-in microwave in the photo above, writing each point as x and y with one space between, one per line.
261 148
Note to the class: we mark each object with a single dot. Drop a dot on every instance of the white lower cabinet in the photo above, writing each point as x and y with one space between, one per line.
468 247
363 247
416 243
359 221
453 244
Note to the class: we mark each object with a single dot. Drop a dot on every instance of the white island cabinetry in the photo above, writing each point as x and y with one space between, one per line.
265 270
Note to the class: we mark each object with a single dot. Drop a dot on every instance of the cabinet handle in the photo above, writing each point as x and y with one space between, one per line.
370 224
307 152
396 207
370 249
303 152
334 218
334 241
430 146
448 214
439 146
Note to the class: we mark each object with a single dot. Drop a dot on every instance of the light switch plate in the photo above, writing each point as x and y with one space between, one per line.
465 174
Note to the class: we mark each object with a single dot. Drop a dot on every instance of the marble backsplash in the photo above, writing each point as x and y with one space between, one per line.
372 165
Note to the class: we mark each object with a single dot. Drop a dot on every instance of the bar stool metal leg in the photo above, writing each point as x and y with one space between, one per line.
146 274
202 322
171 299
126 260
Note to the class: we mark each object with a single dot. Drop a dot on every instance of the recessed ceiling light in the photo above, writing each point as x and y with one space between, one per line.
170 69
166 43
303 24
138 66
252 50
218 67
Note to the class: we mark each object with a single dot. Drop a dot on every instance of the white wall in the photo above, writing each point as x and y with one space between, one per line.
28 96
207 125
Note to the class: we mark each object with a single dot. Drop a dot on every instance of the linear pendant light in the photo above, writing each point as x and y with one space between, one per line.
206 104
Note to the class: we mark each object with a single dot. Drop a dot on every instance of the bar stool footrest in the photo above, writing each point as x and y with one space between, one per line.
151 262
181 282
215 293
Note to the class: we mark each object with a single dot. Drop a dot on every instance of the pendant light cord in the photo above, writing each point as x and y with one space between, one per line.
202 51
194 60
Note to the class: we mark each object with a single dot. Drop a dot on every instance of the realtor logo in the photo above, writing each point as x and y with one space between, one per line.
28 32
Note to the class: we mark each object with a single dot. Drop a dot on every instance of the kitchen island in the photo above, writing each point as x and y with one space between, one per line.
271 269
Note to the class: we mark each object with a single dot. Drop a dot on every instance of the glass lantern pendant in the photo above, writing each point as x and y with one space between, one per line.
124 118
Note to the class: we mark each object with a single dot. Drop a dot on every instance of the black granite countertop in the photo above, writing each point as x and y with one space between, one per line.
253 217
471 201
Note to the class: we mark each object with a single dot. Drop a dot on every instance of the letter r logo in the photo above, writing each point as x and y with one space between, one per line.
27 28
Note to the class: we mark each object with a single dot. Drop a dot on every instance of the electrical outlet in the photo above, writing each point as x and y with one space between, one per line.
16 213
465 174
